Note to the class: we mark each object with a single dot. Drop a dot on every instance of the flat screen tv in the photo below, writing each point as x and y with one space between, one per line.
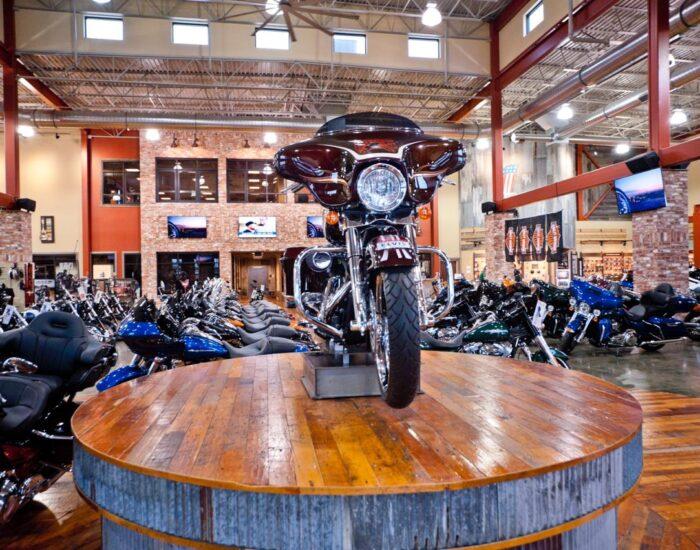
314 227
257 227
640 192
187 227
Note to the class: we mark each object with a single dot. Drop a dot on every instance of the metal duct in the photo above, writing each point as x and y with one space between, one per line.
99 119
625 55
679 78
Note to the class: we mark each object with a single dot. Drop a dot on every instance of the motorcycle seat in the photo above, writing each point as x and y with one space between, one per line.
280 331
617 290
264 346
655 298
665 288
26 401
445 345
53 382
257 327
637 313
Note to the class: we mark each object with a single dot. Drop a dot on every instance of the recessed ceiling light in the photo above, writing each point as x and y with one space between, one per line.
678 117
431 16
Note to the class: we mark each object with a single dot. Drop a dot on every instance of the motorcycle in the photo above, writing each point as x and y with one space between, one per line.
506 332
557 308
601 317
372 171
43 366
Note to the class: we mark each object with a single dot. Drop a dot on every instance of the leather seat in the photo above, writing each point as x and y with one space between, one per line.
665 288
265 346
25 402
279 331
637 313
445 345
59 343
257 327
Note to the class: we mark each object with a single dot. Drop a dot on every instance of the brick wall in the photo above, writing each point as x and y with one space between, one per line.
496 264
660 238
222 217
15 247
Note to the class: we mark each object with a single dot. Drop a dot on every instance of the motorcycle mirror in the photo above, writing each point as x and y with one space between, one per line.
17 364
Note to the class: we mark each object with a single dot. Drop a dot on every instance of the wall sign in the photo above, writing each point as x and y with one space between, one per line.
534 239
47 231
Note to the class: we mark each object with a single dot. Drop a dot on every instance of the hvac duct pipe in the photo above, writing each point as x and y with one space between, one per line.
628 53
679 78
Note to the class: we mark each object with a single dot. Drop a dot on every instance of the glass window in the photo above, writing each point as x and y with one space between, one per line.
272 39
47 266
132 266
195 34
253 181
533 17
104 28
428 48
350 43
121 182
187 180
196 265
103 265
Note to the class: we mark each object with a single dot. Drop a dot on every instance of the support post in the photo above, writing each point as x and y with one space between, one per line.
85 162
10 102
696 234
496 119
659 75
580 206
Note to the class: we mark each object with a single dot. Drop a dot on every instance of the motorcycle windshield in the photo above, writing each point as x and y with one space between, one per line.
359 121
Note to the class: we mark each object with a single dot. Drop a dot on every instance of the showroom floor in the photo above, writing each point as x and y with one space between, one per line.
664 512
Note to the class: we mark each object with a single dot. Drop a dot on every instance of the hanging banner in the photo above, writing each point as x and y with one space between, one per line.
537 238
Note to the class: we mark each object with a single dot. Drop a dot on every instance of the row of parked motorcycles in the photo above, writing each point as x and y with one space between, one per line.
50 353
512 319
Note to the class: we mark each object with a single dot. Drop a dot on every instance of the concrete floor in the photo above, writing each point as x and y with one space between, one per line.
675 368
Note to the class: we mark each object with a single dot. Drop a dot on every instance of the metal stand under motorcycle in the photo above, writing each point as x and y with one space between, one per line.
372 171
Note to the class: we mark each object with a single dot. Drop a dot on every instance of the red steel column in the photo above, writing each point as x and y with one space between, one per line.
659 75
496 119
86 167
10 103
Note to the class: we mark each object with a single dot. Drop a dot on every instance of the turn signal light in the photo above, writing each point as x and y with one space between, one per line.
332 218
424 213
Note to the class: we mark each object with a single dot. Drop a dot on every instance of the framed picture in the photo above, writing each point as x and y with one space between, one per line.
187 227
47 230
257 227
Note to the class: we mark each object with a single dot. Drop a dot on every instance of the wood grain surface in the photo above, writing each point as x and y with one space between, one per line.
249 424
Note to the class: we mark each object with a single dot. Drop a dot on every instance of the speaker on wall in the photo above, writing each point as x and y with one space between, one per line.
644 162
488 207
26 204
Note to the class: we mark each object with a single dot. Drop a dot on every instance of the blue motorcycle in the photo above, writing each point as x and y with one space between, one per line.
159 342
616 318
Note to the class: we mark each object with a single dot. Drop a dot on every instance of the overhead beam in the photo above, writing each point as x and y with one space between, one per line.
670 156
509 12
496 120
587 12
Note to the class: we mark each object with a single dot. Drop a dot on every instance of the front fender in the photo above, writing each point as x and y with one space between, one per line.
391 251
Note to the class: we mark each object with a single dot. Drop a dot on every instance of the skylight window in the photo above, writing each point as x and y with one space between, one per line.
193 34
272 39
427 48
350 43
533 17
104 28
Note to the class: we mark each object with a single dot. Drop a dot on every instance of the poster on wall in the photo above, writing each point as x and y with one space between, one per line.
534 239
257 227
187 227
46 229
314 227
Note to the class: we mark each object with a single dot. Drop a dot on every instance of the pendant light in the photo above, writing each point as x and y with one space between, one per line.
431 16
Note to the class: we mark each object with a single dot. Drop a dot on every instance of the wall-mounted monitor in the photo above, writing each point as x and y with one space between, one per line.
314 227
257 227
640 192
187 227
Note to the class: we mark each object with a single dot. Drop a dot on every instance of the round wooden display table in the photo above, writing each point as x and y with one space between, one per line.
495 452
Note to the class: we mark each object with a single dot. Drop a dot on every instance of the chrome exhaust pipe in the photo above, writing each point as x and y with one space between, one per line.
669 341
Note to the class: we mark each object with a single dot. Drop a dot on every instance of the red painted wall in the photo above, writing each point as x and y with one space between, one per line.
112 228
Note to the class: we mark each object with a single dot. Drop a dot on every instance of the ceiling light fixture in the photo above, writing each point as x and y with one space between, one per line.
195 142
246 145
431 16
102 1
25 130
671 60
267 170
272 6
678 117
482 144
178 166
514 138
152 134
622 148
176 142
565 112
270 138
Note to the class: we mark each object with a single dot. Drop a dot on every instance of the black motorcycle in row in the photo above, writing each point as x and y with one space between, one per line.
372 171
44 365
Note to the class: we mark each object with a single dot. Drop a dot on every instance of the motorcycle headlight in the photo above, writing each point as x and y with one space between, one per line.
572 301
584 308
550 308
381 187
596 313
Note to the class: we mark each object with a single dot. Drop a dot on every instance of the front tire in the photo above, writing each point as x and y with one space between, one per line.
395 336
568 342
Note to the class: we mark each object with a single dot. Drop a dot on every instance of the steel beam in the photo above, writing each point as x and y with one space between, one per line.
496 119
10 102
659 75
509 12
